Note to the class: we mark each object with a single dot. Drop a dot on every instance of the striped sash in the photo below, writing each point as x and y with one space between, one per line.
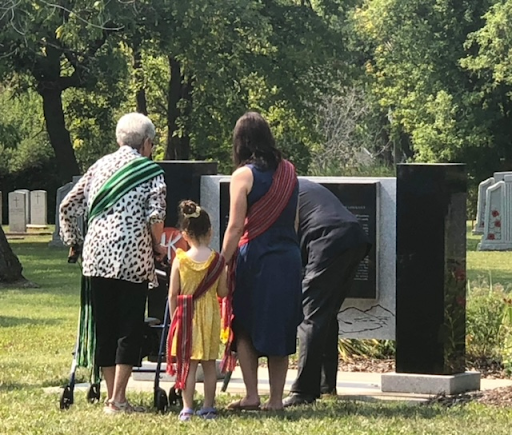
261 216
131 175
181 325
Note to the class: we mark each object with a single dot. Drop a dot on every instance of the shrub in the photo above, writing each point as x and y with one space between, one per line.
484 332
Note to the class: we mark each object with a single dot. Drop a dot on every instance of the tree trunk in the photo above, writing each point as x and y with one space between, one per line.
50 85
10 266
140 92
59 134
178 145
186 94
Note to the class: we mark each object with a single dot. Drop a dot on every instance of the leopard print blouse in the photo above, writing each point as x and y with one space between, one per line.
118 243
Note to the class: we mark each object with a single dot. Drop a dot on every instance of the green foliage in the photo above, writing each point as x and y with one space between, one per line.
437 110
484 318
349 348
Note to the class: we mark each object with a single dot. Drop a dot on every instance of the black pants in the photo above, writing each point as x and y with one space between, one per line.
119 317
323 296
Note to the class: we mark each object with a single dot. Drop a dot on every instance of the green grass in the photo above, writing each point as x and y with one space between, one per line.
37 334
487 267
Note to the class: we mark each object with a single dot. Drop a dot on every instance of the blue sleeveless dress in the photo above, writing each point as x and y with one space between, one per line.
267 302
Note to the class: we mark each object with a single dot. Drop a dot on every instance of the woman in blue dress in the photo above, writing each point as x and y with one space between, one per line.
267 296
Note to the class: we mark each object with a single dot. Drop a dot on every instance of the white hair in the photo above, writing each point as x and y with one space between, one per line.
133 129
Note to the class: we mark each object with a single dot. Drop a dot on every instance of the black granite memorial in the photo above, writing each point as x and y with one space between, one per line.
361 200
183 179
431 269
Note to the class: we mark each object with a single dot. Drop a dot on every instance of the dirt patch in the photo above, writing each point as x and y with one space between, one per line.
501 397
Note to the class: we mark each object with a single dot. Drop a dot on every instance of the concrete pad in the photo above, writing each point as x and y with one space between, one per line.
430 384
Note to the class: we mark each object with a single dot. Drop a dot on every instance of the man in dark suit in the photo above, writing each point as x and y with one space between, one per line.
333 243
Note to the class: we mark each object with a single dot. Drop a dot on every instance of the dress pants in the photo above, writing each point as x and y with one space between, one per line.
323 295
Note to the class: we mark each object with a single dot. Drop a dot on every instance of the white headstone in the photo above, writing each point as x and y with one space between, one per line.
26 192
61 193
480 208
500 176
17 212
38 207
498 217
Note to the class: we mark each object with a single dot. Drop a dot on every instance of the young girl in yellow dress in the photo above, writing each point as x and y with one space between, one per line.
198 276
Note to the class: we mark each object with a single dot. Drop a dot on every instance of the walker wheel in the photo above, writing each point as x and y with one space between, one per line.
94 394
66 399
175 398
161 402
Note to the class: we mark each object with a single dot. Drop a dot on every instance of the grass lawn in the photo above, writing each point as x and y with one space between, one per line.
487 267
37 334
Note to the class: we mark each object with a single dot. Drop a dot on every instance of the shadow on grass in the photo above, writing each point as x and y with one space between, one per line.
11 322
15 386
334 410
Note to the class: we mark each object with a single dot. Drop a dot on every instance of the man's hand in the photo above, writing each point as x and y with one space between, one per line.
159 252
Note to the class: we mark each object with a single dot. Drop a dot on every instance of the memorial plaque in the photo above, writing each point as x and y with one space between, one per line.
361 199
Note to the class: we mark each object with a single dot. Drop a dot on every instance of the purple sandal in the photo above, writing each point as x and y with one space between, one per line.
186 414
207 413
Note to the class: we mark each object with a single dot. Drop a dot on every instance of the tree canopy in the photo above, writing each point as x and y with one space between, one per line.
341 82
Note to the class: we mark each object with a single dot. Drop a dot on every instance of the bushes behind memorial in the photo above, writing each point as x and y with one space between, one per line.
489 326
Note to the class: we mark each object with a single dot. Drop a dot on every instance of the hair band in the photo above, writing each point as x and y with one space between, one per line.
193 215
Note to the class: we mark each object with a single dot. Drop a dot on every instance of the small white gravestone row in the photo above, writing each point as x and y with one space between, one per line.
17 212
481 203
497 234
38 207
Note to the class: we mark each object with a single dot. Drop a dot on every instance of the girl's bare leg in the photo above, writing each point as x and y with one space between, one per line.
190 386
210 382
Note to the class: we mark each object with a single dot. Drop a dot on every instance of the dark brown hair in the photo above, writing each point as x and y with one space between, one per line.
195 227
253 142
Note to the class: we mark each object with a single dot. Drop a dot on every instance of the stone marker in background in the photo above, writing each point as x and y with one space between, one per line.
497 234
61 193
480 208
17 212
482 195
26 192
38 207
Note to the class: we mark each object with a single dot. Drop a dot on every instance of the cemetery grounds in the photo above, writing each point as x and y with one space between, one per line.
37 335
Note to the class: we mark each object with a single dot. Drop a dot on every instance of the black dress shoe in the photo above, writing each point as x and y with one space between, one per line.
297 399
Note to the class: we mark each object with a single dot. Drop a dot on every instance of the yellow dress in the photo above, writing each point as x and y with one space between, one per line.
206 321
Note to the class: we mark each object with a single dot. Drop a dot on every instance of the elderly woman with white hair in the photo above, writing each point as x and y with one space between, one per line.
122 197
